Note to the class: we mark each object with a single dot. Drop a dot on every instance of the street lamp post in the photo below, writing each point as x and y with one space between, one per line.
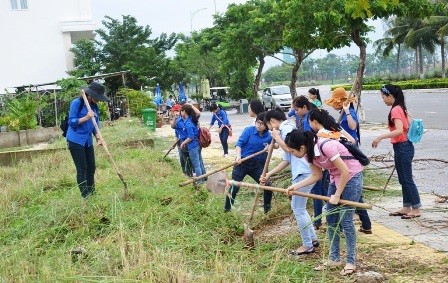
192 14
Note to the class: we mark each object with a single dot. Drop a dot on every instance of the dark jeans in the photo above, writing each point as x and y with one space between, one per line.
185 162
223 136
84 159
363 216
320 188
403 155
253 168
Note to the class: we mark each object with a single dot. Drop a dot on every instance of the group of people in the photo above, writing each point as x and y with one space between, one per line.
319 163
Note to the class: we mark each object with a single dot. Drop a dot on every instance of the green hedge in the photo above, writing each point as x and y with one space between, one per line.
412 84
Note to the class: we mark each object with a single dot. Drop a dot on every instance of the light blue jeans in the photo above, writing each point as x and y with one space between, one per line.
196 161
342 216
303 219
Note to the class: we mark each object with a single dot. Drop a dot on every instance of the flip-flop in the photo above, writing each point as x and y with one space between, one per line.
305 252
409 216
348 271
397 213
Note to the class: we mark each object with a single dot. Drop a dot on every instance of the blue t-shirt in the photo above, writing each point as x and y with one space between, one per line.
192 132
169 102
251 142
291 113
344 123
180 130
298 165
222 115
81 133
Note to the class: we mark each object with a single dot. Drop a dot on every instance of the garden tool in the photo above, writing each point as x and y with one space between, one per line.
194 179
172 147
248 233
220 186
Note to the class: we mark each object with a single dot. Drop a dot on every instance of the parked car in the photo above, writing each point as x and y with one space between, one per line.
277 96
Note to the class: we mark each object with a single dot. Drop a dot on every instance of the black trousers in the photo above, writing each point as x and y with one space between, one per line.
84 159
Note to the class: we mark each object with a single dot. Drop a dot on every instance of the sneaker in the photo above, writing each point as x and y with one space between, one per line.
226 155
365 231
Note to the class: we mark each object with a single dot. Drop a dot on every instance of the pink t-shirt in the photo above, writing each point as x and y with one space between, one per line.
398 113
334 149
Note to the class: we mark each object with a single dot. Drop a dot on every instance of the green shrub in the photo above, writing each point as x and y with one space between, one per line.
410 84
138 100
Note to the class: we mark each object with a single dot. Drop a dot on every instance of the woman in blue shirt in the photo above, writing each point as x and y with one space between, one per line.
223 124
190 130
79 136
253 139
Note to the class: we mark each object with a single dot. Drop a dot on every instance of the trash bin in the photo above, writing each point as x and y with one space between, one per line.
244 106
149 118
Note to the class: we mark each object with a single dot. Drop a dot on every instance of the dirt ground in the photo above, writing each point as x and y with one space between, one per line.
384 256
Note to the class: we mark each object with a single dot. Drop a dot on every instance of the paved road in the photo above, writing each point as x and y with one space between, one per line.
430 105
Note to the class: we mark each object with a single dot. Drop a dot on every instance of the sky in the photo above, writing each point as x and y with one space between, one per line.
177 16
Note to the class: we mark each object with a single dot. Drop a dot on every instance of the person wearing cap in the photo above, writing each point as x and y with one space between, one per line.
79 136
350 124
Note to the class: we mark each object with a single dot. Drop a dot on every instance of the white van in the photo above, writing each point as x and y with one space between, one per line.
277 96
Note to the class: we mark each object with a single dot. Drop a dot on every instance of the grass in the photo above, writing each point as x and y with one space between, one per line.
163 233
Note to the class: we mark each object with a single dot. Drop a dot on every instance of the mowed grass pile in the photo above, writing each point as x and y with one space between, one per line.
163 233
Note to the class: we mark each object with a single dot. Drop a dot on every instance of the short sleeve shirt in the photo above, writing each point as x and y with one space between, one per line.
398 113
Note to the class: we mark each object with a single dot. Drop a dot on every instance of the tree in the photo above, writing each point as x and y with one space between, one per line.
86 59
127 46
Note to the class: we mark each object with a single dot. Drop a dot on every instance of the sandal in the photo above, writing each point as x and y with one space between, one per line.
397 213
410 216
316 243
328 264
365 231
305 252
348 271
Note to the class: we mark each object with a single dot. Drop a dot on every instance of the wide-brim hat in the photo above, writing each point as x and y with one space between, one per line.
97 91
338 97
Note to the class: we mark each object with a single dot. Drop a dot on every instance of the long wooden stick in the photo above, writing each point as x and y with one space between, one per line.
263 174
103 142
275 189
172 147
388 179
222 168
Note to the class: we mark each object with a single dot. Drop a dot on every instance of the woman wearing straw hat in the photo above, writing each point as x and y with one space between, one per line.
350 124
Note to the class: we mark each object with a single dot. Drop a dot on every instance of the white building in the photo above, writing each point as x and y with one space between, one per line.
36 36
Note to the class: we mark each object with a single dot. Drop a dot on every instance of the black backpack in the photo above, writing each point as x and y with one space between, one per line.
64 123
352 148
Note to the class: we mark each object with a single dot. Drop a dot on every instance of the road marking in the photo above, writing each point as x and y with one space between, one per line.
430 112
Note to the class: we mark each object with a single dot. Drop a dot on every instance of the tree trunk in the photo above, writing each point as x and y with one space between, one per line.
416 60
357 39
420 57
442 53
258 76
299 56
397 70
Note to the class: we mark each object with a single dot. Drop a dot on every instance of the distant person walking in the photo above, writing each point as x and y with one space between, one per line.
79 136
224 126
314 97
398 123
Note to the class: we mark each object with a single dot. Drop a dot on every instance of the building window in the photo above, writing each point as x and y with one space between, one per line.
19 4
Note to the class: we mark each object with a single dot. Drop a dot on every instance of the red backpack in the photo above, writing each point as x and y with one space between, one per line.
205 138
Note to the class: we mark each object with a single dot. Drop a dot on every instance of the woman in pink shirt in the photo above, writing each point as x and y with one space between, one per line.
398 124
345 183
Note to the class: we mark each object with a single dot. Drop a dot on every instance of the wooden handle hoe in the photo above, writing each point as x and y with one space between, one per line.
114 165
220 169
320 197
249 233
172 147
